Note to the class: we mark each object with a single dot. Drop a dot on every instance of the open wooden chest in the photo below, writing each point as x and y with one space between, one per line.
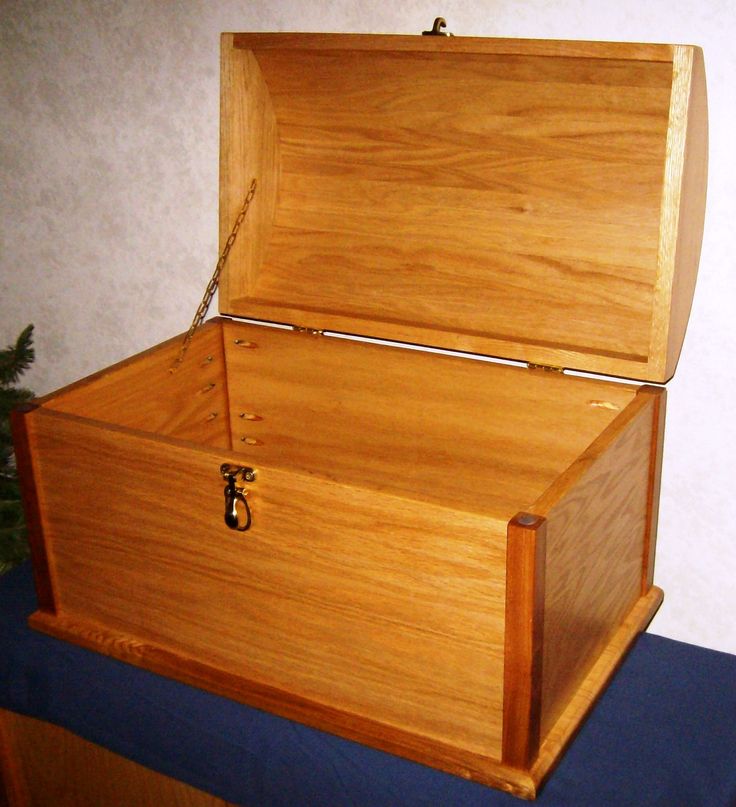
448 555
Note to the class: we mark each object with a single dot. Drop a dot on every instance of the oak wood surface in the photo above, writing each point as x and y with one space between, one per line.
366 524
593 684
140 392
688 139
59 769
462 434
423 454
595 548
375 604
249 149
459 44
13 788
484 198
524 639
541 201
659 396
453 758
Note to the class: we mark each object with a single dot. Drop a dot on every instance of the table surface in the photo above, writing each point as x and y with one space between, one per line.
664 733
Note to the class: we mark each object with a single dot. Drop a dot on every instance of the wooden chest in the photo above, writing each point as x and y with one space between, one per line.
448 556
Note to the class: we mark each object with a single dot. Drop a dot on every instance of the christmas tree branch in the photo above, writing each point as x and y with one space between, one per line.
14 361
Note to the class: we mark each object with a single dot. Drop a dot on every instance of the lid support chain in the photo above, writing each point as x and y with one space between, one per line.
209 292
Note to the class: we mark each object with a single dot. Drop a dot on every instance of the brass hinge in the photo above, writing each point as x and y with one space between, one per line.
310 331
547 367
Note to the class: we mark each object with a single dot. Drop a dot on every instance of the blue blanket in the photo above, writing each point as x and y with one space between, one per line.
663 734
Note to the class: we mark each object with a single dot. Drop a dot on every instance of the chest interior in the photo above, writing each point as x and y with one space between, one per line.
478 436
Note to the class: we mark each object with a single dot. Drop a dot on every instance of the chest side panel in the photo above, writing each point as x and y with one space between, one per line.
378 606
596 554
141 393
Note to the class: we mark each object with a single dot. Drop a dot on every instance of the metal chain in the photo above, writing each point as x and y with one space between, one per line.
214 280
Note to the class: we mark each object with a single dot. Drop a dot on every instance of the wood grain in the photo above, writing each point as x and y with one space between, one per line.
13 788
452 758
498 183
534 186
375 604
659 400
249 149
370 596
459 44
60 769
540 201
593 685
524 642
689 139
141 393
596 533
468 435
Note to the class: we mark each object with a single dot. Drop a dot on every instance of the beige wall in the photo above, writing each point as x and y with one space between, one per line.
108 170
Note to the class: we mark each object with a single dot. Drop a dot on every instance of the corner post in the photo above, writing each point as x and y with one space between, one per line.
658 395
524 639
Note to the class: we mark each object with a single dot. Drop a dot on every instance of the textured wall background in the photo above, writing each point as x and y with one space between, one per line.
108 165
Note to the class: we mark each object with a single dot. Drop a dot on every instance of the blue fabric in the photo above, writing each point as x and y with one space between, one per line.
663 734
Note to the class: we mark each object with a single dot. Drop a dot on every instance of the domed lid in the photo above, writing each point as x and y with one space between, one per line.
530 200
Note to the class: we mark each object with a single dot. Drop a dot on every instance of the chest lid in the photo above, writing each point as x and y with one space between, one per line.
531 200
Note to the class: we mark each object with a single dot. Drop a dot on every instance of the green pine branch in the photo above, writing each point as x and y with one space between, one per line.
14 361
17 358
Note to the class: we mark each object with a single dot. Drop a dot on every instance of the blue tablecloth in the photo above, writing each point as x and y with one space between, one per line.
664 733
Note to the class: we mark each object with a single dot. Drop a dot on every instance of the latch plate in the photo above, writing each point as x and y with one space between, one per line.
437 26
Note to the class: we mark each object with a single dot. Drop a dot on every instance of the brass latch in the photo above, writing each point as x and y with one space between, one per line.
310 331
237 494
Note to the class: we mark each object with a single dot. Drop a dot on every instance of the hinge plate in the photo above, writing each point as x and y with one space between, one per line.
547 367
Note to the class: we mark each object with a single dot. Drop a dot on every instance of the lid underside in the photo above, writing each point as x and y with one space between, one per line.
532 201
